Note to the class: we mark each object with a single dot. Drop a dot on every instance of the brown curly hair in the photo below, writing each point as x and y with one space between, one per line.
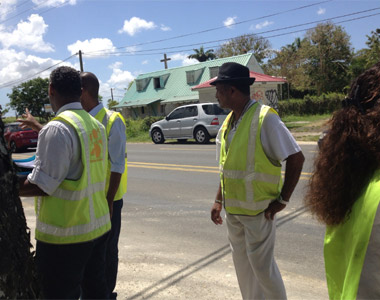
349 153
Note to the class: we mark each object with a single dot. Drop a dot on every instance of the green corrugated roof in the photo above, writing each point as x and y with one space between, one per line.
138 103
176 88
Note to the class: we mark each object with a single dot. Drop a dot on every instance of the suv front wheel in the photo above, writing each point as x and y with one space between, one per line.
157 136
201 135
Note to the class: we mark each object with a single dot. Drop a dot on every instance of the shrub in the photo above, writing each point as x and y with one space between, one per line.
311 105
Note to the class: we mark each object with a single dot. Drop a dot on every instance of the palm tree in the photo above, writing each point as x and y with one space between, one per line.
201 56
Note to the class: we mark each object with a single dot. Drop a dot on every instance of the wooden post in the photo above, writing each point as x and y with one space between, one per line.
80 61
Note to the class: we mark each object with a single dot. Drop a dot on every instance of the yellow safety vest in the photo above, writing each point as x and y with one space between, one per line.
249 180
78 211
107 118
346 244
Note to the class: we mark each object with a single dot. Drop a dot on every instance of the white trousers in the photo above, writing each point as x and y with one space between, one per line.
252 243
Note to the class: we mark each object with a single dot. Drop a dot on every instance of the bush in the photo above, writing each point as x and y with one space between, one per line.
136 127
311 105
147 121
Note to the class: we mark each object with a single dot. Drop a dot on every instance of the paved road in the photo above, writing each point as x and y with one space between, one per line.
169 248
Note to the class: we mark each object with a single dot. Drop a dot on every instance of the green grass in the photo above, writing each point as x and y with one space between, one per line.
311 118
141 137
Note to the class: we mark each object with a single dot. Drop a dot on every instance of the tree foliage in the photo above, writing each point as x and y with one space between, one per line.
327 52
111 103
201 56
32 94
372 54
259 46
318 63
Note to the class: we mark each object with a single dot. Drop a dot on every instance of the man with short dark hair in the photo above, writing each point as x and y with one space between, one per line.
252 143
116 185
69 181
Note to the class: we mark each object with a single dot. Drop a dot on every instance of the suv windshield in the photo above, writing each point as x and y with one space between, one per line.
214 109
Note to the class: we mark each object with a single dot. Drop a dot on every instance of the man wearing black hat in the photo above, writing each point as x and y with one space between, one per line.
252 142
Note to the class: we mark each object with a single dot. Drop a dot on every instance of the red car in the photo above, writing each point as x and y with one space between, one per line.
18 138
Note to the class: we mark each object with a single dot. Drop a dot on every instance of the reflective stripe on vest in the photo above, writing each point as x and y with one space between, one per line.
107 118
249 180
345 247
78 211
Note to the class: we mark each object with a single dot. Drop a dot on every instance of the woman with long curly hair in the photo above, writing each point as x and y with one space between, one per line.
344 192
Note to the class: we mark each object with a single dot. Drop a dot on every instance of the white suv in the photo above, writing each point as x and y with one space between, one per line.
200 121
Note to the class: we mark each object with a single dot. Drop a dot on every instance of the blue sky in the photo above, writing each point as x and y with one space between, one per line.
122 39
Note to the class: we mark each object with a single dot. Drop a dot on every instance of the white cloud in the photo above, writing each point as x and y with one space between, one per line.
165 28
263 24
184 58
145 62
135 25
103 45
53 3
119 79
27 35
321 11
6 7
18 65
229 22
118 82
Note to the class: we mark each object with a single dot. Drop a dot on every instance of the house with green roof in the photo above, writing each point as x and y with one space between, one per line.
158 93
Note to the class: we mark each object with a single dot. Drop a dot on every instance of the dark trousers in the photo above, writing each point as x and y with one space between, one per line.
112 254
74 270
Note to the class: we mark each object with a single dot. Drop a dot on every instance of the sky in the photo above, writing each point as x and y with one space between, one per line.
121 39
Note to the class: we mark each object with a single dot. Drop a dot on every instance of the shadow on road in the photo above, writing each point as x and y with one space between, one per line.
196 266
172 279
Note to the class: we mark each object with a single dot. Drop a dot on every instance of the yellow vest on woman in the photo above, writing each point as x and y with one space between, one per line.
346 244
107 118
249 180
78 211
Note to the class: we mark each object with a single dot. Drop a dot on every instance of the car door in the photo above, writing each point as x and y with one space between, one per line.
189 120
172 127
7 133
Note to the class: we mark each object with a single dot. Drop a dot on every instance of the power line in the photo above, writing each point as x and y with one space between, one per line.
176 47
130 53
217 28
42 12
14 8
14 82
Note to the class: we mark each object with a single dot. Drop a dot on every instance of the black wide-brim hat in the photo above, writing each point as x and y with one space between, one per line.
233 73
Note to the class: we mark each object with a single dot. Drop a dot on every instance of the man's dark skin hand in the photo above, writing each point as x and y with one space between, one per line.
215 213
273 209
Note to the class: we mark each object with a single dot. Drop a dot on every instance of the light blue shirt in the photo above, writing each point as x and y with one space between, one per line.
117 140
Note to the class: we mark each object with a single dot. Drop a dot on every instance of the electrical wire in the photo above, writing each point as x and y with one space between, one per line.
137 52
217 28
34 7
14 82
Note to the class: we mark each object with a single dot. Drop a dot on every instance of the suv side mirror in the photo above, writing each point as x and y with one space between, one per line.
167 118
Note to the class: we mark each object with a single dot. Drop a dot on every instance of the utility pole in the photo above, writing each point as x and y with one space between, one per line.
111 94
80 61
165 60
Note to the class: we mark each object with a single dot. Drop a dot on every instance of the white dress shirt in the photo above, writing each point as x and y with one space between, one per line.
58 154
278 143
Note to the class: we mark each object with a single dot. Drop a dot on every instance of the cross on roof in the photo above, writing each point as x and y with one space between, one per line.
165 60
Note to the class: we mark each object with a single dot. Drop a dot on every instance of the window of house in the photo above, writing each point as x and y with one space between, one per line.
142 110
193 76
214 71
141 84
156 82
